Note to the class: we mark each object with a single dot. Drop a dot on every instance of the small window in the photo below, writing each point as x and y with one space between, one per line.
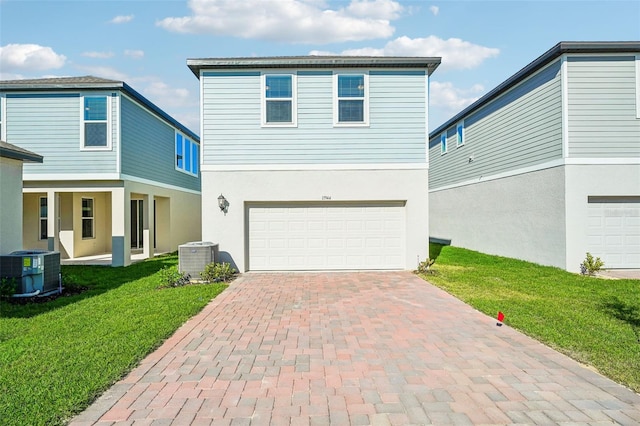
460 134
443 143
186 155
351 99
43 218
279 100
87 218
95 122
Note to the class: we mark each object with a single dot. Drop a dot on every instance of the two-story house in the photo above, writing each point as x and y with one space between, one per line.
119 175
546 166
315 163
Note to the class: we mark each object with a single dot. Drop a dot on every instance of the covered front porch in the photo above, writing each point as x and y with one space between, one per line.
95 222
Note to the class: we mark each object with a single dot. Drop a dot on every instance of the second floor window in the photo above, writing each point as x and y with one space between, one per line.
187 155
351 106
279 99
95 122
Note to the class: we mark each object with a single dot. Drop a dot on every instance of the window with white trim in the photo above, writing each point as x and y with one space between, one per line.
96 134
279 100
460 134
187 155
43 218
87 218
351 103
443 143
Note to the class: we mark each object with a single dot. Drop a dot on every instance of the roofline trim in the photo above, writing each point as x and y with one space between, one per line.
114 85
543 60
322 62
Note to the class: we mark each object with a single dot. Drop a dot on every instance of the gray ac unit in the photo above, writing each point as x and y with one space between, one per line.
194 256
37 272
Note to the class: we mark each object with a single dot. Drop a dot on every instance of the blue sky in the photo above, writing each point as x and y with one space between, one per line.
146 42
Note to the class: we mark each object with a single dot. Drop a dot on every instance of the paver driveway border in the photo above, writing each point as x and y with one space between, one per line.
361 348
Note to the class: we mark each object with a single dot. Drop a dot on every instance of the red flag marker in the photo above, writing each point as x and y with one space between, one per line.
500 319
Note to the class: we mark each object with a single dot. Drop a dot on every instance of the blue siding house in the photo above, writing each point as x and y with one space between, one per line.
315 162
119 175
546 166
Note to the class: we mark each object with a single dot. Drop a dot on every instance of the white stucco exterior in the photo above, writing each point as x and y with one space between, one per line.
241 188
519 216
11 205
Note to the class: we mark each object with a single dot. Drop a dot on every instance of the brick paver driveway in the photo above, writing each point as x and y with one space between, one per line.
355 348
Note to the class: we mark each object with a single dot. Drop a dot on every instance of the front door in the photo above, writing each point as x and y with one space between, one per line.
137 223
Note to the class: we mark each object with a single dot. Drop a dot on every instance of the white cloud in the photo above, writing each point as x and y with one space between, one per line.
103 72
29 57
99 55
121 19
450 99
135 54
455 53
164 95
294 21
435 10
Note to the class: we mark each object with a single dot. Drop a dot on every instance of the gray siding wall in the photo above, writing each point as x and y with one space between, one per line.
51 125
148 148
602 119
521 128
232 132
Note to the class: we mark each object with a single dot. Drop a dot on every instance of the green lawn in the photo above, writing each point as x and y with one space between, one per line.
57 357
596 321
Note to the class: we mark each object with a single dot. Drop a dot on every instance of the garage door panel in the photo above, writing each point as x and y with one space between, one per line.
316 237
614 232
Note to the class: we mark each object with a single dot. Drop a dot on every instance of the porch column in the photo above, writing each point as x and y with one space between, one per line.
120 223
147 226
53 221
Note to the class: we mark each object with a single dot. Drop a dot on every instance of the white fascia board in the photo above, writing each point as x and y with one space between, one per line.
70 176
158 184
320 167
543 166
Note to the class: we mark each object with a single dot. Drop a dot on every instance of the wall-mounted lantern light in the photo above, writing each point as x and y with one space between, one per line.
223 203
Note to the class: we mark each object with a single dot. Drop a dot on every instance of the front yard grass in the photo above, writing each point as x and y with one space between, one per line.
595 321
57 357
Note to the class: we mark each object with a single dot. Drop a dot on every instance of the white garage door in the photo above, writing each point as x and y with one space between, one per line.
614 231
326 237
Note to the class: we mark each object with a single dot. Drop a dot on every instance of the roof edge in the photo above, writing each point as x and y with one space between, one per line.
430 63
14 152
561 48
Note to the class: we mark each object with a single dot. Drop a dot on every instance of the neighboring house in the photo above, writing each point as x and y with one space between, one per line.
11 160
320 162
546 167
119 174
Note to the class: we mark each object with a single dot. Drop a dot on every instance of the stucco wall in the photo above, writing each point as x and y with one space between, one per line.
583 181
31 221
11 205
240 187
520 216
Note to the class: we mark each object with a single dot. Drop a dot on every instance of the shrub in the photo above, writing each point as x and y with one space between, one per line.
590 266
171 277
425 267
7 287
217 272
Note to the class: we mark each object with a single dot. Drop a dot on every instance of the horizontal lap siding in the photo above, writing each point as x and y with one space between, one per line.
148 148
51 126
602 107
521 128
233 134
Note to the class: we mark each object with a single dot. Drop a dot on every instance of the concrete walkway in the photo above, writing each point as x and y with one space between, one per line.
355 348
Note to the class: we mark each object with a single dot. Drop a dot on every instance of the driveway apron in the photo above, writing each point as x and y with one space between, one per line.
362 348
